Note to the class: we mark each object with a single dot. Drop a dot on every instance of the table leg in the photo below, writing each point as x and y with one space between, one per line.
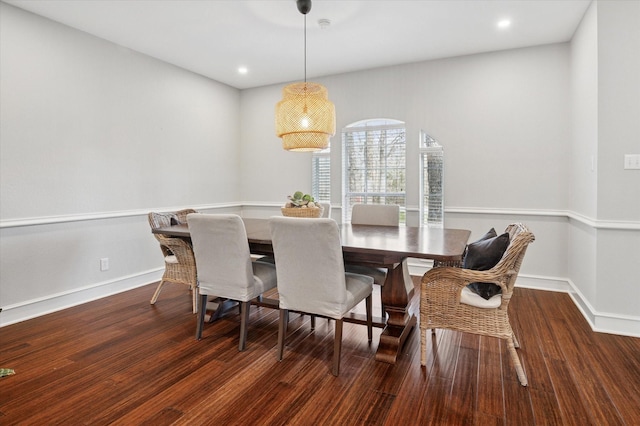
400 321
218 307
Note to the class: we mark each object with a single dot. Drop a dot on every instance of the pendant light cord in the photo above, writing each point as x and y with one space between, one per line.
305 48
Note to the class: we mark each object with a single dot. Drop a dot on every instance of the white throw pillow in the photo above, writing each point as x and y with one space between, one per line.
468 297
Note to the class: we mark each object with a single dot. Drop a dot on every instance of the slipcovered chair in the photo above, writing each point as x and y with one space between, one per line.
326 212
375 214
381 215
311 276
447 302
224 265
179 262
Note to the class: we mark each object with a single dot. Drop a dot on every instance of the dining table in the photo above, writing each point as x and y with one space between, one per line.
377 246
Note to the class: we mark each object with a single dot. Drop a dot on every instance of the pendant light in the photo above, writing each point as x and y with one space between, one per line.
305 118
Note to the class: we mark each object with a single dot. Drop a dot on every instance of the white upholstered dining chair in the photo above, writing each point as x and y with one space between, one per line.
326 209
224 265
375 214
311 276
381 215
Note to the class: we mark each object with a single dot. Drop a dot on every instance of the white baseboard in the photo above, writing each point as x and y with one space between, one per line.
603 322
625 325
29 309
543 283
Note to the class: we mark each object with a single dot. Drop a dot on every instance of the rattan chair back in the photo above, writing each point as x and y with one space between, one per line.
180 264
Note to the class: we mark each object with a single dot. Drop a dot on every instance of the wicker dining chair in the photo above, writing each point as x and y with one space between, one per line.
446 302
179 261
181 215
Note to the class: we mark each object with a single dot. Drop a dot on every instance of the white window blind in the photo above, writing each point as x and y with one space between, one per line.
431 181
374 164
321 175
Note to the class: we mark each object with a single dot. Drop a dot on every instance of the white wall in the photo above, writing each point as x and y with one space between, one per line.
618 266
618 108
584 93
81 116
584 153
521 130
91 130
604 237
503 119
93 136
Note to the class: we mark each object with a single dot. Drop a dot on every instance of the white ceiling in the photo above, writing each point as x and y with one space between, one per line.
215 37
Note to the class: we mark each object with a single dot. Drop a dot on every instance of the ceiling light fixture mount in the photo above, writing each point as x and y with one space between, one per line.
305 118
324 23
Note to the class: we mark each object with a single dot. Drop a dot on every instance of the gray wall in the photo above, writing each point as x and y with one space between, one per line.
503 119
94 136
604 236
499 115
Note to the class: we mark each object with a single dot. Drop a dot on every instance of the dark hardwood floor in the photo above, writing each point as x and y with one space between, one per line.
122 361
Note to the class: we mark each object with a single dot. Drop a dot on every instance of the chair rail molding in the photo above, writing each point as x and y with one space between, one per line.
568 214
599 321
50 220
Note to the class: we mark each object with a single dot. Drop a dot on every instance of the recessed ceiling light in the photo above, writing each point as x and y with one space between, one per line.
505 23
243 70
324 23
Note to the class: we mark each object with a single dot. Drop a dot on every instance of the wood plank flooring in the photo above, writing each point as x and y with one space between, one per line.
122 361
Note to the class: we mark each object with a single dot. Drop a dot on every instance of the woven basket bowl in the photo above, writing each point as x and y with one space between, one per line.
300 212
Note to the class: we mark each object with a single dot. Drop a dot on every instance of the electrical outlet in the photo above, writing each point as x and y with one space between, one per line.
632 161
104 264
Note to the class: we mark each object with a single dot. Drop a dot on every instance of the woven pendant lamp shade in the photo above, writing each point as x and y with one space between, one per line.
305 118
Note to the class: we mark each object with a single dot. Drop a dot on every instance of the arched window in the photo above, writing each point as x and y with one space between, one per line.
374 164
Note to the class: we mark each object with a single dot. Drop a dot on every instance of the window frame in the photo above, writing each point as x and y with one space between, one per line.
321 176
430 148
368 126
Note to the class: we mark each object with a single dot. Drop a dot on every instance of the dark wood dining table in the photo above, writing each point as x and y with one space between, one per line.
380 246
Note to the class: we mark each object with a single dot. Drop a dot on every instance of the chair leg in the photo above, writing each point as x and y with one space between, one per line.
282 331
157 293
194 296
522 377
337 347
368 305
423 346
515 340
244 319
313 322
202 312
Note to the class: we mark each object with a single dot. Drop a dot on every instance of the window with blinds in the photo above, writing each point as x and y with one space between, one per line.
374 164
321 175
431 181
